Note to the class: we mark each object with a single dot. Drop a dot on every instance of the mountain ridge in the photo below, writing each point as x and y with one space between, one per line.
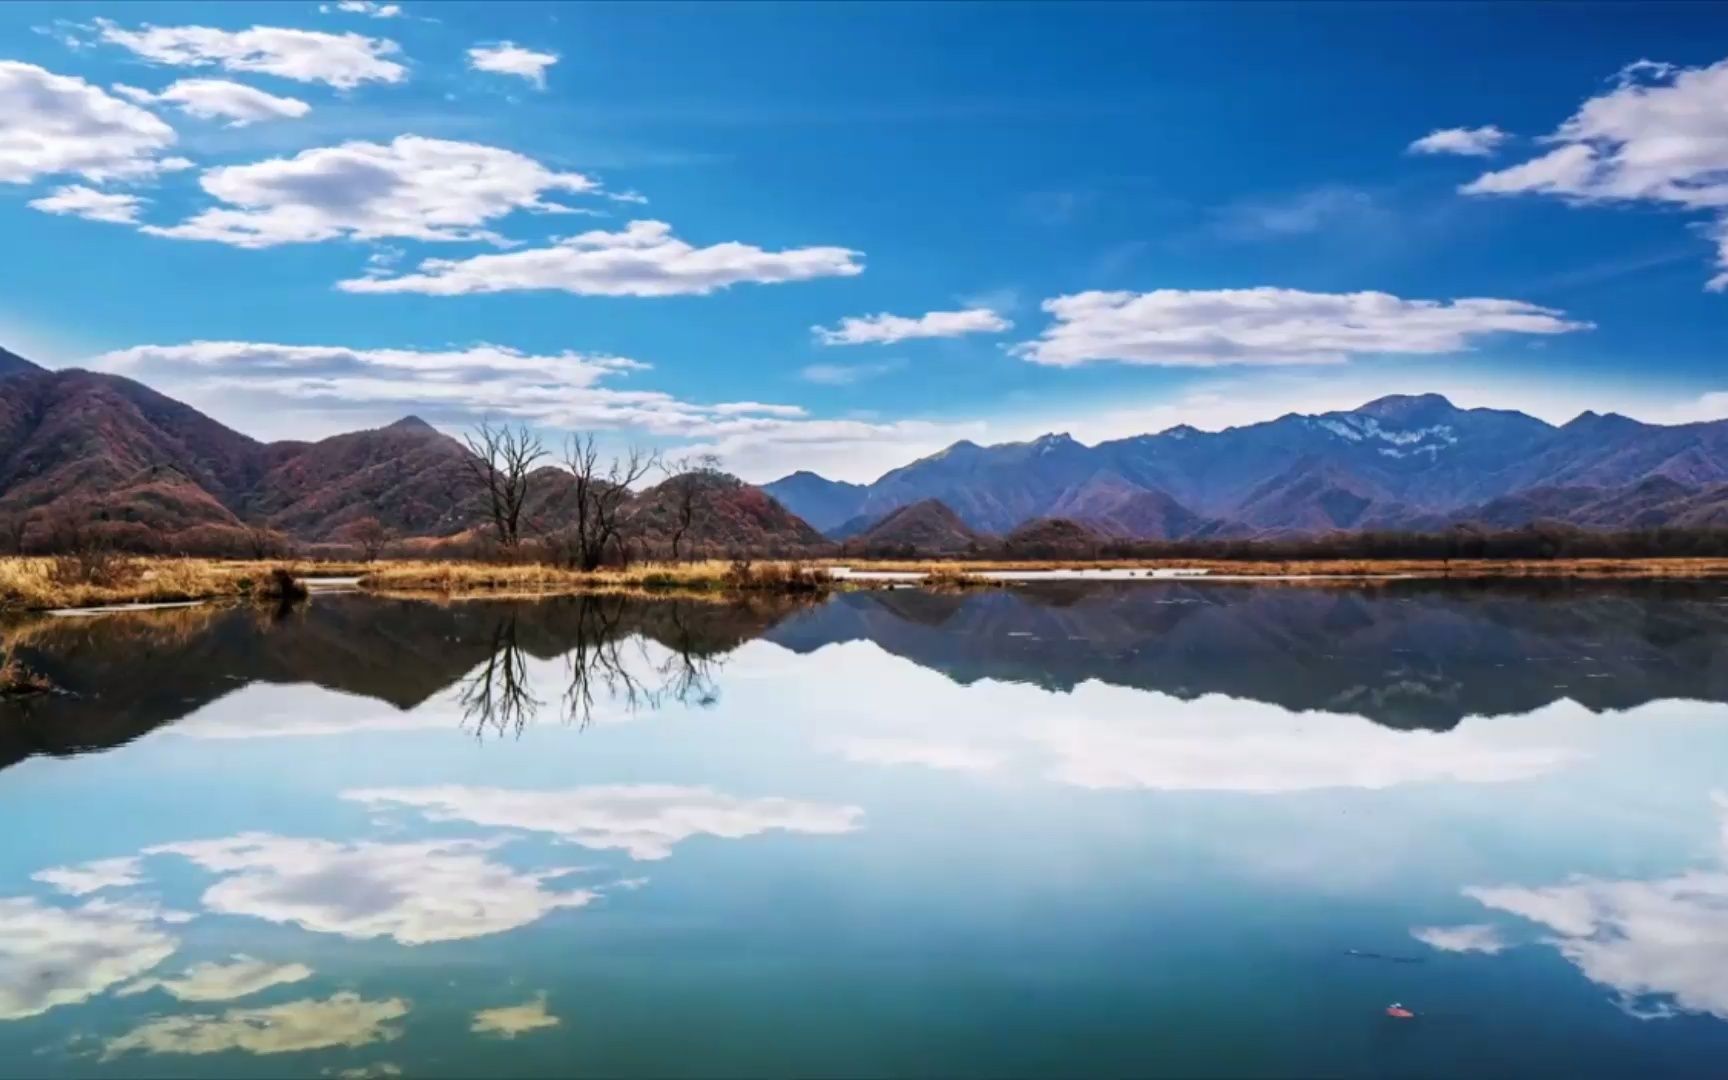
89 450
1401 461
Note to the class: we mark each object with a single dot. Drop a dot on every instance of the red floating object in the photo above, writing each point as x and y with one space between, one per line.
1399 1012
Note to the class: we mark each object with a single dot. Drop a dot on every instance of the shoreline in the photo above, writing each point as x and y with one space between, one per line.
29 584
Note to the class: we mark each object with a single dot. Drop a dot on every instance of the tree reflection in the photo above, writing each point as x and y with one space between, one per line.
608 662
496 696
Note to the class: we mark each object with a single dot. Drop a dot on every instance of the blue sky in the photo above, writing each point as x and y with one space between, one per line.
653 221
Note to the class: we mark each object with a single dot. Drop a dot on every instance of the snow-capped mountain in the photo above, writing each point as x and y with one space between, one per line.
1404 461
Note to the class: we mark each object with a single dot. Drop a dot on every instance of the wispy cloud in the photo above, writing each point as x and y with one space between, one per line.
642 259
343 61
1303 213
886 329
849 374
1659 136
219 99
1209 328
509 58
1464 142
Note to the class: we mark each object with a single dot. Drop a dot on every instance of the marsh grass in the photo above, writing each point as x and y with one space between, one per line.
40 584
953 578
534 579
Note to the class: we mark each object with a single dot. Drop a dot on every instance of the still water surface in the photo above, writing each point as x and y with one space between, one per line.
1162 828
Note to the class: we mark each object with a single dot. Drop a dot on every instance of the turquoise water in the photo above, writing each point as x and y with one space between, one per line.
1152 829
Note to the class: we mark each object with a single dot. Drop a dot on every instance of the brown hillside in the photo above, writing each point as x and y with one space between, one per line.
729 517
1052 538
925 528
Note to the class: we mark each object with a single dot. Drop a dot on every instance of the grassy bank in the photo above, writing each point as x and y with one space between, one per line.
707 576
38 584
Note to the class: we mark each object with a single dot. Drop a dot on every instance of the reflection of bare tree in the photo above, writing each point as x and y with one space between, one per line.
687 674
608 663
600 662
496 697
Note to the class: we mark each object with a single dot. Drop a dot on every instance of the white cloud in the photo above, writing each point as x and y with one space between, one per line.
219 99
1229 744
340 60
1474 937
54 956
1661 945
345 1020
369 8
756 408
645 820
644 259
885 329
559 390
1466 142
509 1021
412 187
947 756
509 58
841 449
1208 328
848 374
52 124
1659 136
414 893
82 878
240 977
77 200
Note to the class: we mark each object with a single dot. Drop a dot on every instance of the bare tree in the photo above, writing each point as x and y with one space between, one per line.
500 461
371 535
601 494
687 477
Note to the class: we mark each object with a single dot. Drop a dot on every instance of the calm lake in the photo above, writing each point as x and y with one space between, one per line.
1171 828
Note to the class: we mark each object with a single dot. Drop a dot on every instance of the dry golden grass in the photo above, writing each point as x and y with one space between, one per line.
32 584
954 578
691 577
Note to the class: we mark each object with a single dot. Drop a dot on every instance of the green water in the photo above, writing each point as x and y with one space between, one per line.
1132 829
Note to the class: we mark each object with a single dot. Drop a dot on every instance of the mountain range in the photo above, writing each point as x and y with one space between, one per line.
1412 462
156 471
150 471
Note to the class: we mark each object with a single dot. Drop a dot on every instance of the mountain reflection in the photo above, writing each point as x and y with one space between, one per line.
126 674
1404 655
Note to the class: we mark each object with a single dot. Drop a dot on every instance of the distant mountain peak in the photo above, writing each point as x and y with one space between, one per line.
1402 406
13 364
1591 418
413 424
